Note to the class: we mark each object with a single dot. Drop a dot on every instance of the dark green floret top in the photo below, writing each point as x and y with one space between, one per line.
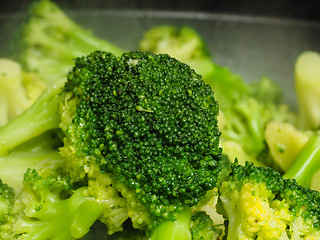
148 119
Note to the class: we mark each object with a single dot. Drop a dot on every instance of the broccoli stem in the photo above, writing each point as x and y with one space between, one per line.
37 119
306 163
177 230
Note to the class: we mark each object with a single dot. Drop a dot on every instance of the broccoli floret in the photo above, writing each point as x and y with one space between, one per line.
184 44
49 40
307 86
158 122
148 120
18 89
6 202
39 152
202 227
260 204
50 207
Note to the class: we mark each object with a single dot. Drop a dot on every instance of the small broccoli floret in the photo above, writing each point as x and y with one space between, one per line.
307 85
6 202
18 89
39 152
260 204
50 207
183 43
49 41
202 227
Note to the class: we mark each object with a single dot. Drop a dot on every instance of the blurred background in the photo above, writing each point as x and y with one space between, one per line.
292 9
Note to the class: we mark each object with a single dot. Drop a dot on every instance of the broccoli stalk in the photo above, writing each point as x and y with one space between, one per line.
307 85
40 117
50 40
177 230
306 163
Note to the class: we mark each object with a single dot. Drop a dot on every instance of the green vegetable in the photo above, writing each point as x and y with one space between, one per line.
284 143
306 163
307 85
245 109
40 117
6 201
149 123
177 230
39 152
49 208
202 227
18 89
49 41
260 204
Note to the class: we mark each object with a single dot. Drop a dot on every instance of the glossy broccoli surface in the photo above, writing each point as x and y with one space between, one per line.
150 120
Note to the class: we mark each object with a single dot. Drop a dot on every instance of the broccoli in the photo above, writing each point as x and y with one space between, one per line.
49 40
307 76
259 204
18 89
202 227
39 152
245 108
149 123
6 201
284 143
306 162
51 207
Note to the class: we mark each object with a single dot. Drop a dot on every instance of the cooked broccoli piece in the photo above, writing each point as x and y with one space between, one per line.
40 117
6 202
259 204
18 89
202 227
284 143
306 162
307 85
51 207
39 152
49 41
148 121
183 43
178 229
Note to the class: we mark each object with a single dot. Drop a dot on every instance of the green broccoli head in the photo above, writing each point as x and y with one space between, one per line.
148 119
259 203
51 207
